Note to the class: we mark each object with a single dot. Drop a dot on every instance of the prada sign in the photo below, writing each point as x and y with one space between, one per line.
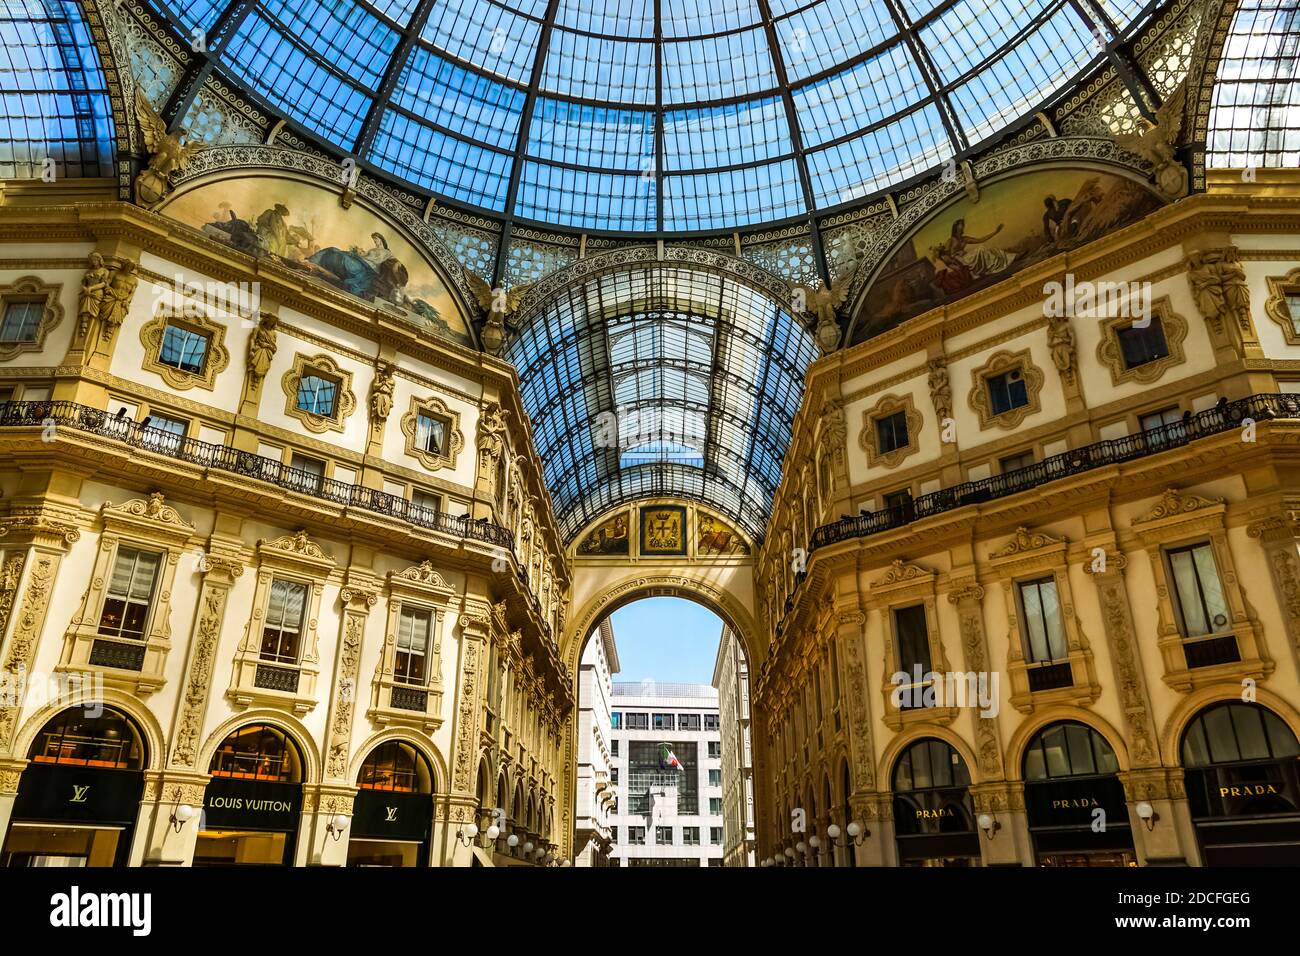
384 814
1080 802
82 794
231 804
933 811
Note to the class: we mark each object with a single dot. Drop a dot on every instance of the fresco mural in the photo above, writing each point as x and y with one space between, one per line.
1016 222
608 538
303 227
713 537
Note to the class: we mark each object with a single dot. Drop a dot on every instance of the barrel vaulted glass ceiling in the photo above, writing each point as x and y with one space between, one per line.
655 115
662 381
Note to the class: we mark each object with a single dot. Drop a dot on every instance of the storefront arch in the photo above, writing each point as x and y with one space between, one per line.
1028 731
293 728
138 713
423 746
1189 707
902 742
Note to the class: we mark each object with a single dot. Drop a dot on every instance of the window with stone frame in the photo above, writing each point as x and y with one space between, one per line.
407 686
1006 389
277 662
29 309
904 599
1049 657
890 431
123 627
1206 630
432 432
1142 348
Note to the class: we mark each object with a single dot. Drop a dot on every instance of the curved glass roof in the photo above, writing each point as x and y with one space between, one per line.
655 115
661 381
53 96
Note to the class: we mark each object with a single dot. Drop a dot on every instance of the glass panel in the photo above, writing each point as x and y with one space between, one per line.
316 395
21 320
183 349
1251 740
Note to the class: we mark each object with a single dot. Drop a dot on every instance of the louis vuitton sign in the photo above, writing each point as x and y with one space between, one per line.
83 794
230 803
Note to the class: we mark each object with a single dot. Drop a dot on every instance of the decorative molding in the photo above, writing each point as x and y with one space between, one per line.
31 616
454 439
345 401
900 572
215 359
1175 503
869 437
1277 308
31 289
298 543
997 364
1111 355
1025 540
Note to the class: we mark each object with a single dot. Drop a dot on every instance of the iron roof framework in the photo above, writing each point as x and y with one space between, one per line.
697 374
656 117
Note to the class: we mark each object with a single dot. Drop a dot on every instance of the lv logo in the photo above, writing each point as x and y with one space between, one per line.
392 814
79 793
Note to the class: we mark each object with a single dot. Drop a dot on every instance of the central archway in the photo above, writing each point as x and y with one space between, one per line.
611 587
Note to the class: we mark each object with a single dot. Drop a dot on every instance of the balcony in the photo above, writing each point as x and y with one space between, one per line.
1223 417
95 421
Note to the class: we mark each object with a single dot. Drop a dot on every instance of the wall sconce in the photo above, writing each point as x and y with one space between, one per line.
466 834
801 847
337 825
789 851
492 833
815 842
857 833
989 825
1147 814
512 841
182 813
528 847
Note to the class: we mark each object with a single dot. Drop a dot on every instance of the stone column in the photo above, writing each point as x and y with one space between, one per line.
1170 837
11 772
34 543
1107 571
320 843
357 597
966 597
1277 534
158 841
874 813
1010 844
475 628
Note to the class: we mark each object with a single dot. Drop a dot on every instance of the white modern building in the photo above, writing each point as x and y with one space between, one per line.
667 761
595 791
731 678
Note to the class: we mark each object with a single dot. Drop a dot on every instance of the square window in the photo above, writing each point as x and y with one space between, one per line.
183 348
1041 615
305 474
1140 346
424 505
130 594
891 432
285 610
664 836
1202 606
163 433
1166 416
21 322
912 638
1016 462
317 394
431 434
1293 310
691 836
1007 391
414 626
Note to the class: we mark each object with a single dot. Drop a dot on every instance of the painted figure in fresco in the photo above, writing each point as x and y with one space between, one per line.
955 276
972 252
373 274
1054 219
227 227
273 230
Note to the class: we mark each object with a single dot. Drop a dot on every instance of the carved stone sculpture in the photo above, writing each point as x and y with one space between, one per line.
940 388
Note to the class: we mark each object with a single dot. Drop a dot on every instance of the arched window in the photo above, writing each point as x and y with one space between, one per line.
1237 732
934 820
1068 749
396 766
258 752
108 739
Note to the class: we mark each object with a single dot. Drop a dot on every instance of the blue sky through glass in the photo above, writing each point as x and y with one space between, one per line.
666 639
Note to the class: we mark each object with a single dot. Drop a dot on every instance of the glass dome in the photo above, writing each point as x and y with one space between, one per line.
655 115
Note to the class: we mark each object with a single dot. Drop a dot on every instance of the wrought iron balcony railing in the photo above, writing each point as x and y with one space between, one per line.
249 465
1223 417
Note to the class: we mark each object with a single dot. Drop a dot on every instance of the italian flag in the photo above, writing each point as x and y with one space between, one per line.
667 759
